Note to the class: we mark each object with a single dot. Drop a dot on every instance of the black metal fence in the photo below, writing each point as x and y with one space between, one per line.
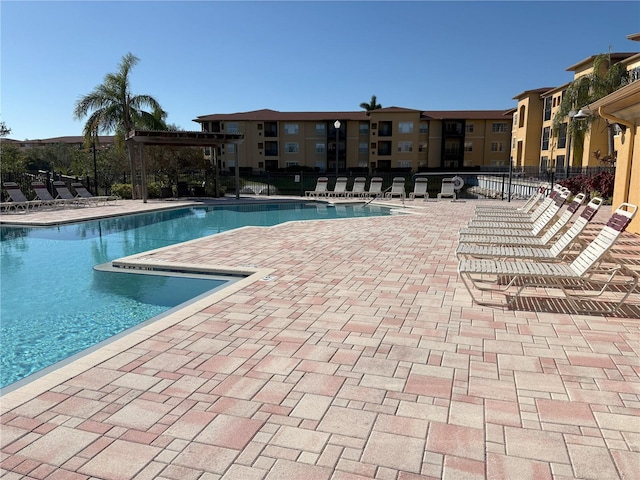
500 184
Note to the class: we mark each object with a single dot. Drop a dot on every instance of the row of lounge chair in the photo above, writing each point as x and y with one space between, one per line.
44 199
397 188
509 251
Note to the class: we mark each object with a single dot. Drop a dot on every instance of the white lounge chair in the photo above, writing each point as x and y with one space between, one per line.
375 188
447 189
526 237
358 189
420 188
46 198
556 251
63 191
503 227
585 278
18 199
397 188
340 188
527 207
321 188
82 191
521 216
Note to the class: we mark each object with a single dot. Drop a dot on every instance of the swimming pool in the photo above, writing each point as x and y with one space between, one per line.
54 304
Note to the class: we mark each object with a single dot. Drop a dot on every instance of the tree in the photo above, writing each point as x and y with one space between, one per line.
4 130
112 108
372 105
603 80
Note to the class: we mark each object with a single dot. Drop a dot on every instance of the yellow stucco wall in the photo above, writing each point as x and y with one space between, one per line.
627 184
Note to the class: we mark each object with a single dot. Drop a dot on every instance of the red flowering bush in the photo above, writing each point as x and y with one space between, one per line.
601 182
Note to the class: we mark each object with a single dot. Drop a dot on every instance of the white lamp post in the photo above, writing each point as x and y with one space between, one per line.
337 125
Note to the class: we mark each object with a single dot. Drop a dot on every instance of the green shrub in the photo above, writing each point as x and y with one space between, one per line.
153 190
123 190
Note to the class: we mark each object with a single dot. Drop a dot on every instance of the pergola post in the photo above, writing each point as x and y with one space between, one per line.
143 179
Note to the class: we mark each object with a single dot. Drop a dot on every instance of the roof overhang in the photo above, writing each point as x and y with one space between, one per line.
624 103
183 139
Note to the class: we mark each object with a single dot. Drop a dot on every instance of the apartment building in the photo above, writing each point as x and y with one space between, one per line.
527 128
534 141
385 139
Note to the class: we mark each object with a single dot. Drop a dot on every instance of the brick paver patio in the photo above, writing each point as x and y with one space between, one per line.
353 351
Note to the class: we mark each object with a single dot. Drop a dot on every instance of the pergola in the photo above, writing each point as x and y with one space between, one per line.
184 139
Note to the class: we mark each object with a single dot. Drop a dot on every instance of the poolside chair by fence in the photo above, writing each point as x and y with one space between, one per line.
527 237
554 252
586 278
447 189
321 188
375 188
46 198
358 189
420 189
82 191
517 228
63 192
397 188
528 206
522 216
340 188
18 199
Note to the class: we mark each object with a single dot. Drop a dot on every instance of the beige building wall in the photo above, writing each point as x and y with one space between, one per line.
527 129
388 138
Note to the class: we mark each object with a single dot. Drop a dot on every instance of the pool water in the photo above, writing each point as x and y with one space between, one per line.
54 304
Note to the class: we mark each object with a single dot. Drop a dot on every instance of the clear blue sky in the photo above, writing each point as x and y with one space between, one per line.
204 57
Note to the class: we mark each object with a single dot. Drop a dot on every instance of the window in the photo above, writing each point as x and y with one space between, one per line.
290 164
405 127
513 143
363 147
321 129
453 128
405 147
230 147
271 149
385 129
521 116
543 164
452 148
424 127
562 136
320 148
545 138
497 146
384 148
232 127
291 128
404 164
560 162
468 128
547 108
422 147
291 147
499 127
468 146
364 128
270 129
515 118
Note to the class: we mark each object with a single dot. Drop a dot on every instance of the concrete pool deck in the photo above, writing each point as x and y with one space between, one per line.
351 351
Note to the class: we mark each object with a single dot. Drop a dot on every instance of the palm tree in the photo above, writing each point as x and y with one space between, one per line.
603 80
373 105
112 108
